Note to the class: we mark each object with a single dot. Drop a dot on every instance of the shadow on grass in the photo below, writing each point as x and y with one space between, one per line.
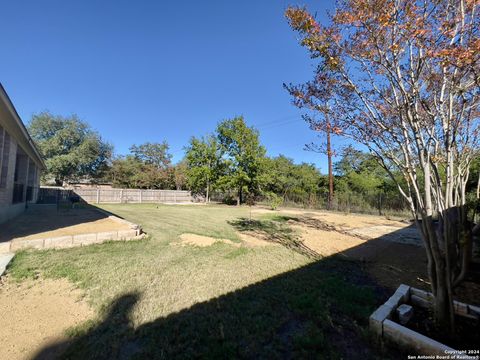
312 312
42 218
318 311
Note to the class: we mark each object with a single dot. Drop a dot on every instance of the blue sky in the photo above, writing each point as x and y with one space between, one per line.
142 71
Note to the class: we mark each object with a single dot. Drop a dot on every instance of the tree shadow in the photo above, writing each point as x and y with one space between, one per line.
317 311
42 218
275 232
103 340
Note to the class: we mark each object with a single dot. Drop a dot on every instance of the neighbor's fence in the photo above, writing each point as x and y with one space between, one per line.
98 196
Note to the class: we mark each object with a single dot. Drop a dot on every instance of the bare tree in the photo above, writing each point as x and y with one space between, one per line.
402 78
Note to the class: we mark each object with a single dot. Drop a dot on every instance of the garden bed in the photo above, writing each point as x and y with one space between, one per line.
45 226
406 320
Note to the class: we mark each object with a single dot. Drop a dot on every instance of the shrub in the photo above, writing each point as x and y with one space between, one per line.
274 201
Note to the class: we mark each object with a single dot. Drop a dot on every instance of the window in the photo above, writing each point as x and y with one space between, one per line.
4 155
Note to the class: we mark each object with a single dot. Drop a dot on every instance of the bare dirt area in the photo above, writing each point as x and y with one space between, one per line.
203 241
47 222
101 225
326 243
36 313
248 240
253 240
342 220
389 250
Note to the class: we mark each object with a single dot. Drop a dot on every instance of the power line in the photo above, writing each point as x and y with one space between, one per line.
266 126
280 121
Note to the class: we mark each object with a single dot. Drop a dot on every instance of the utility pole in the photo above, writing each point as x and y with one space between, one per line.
330 164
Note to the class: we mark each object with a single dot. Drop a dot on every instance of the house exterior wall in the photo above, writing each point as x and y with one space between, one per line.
20 162
8 209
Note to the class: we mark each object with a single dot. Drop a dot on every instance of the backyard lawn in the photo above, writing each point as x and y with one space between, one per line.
258 292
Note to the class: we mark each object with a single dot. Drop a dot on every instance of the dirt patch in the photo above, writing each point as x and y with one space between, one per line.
326 243
254 240
339 220
103 225
349 221
248 240
203 241
42 223
387 250
36 313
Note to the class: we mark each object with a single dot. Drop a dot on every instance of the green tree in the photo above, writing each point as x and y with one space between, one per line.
244 156
293 182
72 149
125 171
204 164
363 182
180 171
130 172
153 153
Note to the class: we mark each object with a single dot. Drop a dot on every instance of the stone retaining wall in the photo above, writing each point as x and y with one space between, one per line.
68 241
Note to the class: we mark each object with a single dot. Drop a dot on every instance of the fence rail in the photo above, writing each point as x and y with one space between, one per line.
99 195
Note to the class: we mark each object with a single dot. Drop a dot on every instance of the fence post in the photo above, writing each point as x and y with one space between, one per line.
174 196
141 195
121 196
98 195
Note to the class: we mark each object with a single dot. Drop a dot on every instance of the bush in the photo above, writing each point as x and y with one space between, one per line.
274 201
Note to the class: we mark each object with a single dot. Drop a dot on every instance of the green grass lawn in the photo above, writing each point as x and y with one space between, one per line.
155 299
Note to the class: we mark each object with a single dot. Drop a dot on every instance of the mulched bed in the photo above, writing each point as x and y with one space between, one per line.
467 331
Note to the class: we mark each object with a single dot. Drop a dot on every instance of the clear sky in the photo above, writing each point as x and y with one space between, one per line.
143 70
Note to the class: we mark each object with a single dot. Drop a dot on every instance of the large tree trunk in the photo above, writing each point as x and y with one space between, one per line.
440 282
207 199
478 186
443 304
448 244
239 198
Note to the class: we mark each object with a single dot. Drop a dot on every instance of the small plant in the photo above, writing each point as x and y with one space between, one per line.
274 201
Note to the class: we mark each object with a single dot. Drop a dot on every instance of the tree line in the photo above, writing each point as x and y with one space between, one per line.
229 164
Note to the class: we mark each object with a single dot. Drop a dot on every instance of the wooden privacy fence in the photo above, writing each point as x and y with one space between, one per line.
99 195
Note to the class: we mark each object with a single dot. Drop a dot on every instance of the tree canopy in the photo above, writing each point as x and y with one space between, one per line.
242 151
72 150
148 166
205 164
155 154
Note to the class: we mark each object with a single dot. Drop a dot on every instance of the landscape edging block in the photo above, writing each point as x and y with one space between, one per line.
58 242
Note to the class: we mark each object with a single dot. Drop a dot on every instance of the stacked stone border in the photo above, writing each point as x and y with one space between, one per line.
61 242
384 328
